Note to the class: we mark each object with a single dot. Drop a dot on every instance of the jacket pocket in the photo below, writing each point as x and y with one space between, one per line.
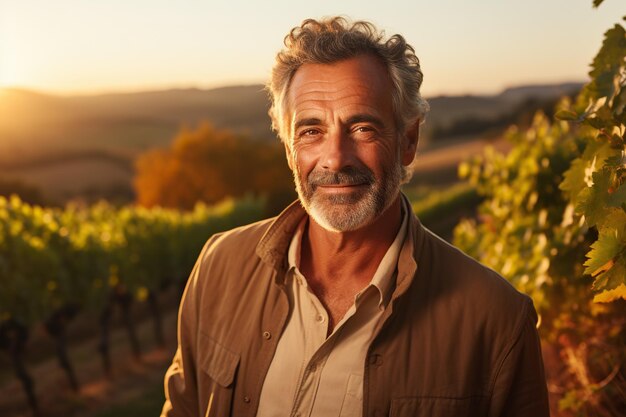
436 407
217 369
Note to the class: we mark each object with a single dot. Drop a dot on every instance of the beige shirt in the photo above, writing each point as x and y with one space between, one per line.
312 375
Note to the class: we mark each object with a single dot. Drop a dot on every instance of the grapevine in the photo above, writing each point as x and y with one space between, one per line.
55 263
553 222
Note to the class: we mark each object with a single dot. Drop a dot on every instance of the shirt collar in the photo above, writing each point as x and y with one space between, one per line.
293 254
384 277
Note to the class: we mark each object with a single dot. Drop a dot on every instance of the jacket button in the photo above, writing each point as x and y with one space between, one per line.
376 359
246 399
267 335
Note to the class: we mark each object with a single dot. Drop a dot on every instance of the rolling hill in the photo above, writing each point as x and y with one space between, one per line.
77 145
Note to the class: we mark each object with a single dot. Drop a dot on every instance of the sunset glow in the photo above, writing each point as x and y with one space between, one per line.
74 46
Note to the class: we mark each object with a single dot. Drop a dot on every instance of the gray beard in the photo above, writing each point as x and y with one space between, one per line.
350 211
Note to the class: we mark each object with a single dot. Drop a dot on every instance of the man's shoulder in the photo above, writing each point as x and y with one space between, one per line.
458 279
240 241
228 260
455 264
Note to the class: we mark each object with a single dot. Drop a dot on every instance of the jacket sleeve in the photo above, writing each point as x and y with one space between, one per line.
181 390
520 386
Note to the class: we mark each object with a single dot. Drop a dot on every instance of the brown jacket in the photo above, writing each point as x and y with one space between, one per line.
457 339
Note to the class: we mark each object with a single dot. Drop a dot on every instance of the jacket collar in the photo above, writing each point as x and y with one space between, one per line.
410 253
273 246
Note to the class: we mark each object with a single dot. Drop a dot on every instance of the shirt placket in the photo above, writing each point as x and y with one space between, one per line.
317 349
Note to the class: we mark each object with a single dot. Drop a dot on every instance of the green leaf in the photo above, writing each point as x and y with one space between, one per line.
604 252
612 52
599 123
619 103
618 197
611 278
594 202
576 177
607 64
567 115
608 296
615 219
607 260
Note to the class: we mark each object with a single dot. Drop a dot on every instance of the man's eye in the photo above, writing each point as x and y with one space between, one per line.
309 133
364 131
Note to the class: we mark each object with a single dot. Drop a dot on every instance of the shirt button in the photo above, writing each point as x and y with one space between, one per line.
267 335
320 318
246 399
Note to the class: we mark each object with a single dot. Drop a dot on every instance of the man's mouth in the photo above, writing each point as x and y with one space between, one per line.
340 186
340 182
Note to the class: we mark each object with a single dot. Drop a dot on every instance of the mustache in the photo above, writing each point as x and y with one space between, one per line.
347 176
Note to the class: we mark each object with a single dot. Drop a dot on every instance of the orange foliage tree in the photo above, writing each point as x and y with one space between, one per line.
208 165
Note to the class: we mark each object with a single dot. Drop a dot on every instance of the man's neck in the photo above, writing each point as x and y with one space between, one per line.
337 266
349 254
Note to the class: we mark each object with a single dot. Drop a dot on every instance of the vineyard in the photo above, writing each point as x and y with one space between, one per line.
56 264
549 215
553 222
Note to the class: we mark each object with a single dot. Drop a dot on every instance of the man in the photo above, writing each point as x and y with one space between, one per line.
345 305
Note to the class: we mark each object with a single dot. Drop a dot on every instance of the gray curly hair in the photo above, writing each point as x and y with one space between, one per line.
334 39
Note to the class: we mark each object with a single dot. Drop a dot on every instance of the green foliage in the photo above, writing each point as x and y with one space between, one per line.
432 205
29 269
51 258
554 223
606 260
523 215
595 182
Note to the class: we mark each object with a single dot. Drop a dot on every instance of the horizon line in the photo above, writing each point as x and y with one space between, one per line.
164 88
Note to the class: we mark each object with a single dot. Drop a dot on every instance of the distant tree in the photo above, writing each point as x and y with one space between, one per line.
208 165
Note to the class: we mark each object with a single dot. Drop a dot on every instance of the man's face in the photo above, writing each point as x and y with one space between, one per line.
344 150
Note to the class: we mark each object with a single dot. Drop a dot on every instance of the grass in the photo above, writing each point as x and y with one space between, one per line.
437 206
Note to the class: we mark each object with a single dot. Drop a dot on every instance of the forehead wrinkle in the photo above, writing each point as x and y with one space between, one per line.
311 100
360 114
310 88
359 89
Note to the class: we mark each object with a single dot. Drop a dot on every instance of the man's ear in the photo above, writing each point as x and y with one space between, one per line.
288 155
411 138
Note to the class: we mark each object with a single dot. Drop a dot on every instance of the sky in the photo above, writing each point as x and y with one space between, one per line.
465 47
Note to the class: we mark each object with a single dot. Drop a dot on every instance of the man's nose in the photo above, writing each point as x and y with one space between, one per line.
337 152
